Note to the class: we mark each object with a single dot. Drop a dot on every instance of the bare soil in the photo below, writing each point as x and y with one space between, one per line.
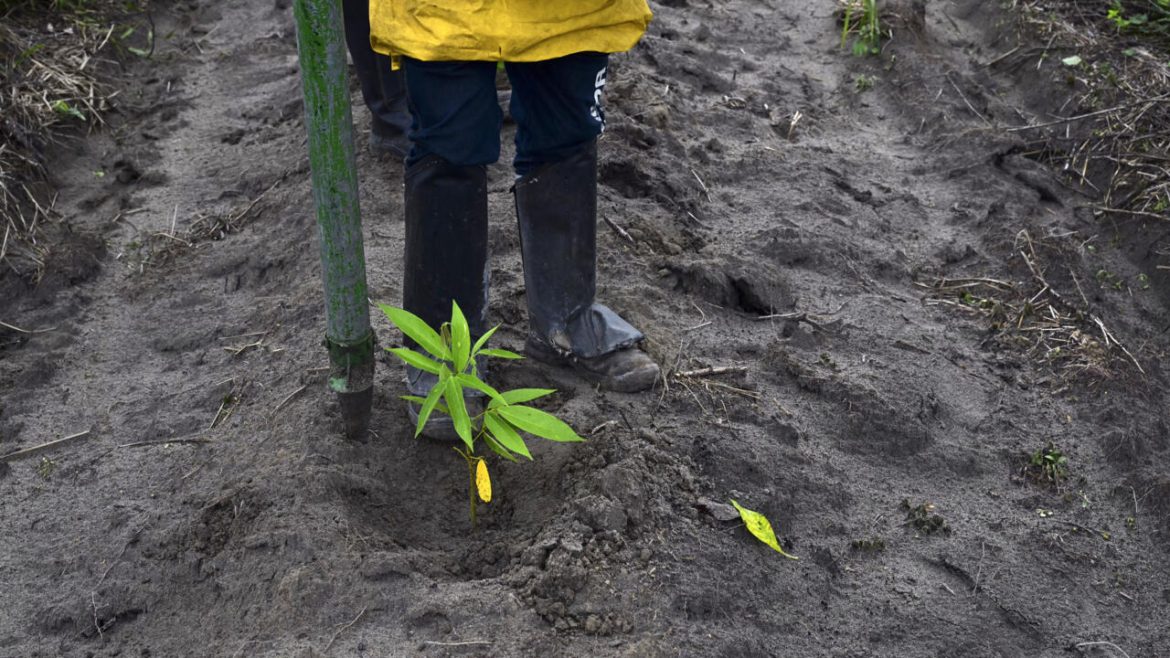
215 508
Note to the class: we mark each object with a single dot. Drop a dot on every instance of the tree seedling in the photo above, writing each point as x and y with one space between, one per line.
860 18
452 358
868 545
46 468
923 519
1047 466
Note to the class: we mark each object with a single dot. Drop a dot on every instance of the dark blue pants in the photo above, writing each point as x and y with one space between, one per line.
383 90
556 105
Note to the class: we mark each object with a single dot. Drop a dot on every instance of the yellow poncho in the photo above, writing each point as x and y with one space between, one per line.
504 30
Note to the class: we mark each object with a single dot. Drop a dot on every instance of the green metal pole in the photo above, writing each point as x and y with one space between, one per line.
348 336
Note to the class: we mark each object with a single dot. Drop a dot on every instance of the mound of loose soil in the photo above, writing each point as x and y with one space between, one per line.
851 306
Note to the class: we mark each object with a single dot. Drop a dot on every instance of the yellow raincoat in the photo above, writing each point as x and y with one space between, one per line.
504 30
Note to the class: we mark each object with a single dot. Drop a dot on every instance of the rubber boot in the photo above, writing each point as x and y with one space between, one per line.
383 89
446 259
557 209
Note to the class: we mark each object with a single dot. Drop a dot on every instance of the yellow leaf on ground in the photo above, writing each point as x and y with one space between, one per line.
761 528
483 482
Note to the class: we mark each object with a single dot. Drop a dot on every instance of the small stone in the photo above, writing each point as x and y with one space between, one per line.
572 545
592 624
719 511
601 513
558 560
657 116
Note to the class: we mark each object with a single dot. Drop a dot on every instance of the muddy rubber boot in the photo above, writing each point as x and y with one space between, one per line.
557 209
387 141
446 259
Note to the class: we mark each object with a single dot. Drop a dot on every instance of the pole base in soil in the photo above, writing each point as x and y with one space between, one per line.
351 376
355 413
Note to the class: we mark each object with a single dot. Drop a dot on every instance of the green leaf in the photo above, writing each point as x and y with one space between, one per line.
428 406
518 395
471 381
453 393
482 339
500 354
414 328
497 448
63 107
415 359
502 431
460 338
761 528
439 406
540 423
1073 60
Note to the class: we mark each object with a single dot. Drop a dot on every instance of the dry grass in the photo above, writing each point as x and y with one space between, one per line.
55 57
149 250
1032 317
1114 137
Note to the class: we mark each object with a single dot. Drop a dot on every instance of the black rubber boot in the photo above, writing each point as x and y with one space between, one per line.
557 209
446 259
383 89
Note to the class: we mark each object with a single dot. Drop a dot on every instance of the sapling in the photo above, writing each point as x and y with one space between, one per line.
453 359
860 17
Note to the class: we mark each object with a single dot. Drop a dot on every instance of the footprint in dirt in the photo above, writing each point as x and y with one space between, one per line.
756 289
881 426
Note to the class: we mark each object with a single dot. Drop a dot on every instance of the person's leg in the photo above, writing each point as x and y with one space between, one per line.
455 134
557 108
455 112
383 89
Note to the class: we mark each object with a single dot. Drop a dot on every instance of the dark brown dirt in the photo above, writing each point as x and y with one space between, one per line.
258 530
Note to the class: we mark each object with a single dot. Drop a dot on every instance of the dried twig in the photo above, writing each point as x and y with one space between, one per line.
26 331
343 628
603 426
801 316
621 232
1102 643
968 103
1087 115
714 370
288 398
114 562
94 606
979 567
1108 336
701 184
163 442
19 454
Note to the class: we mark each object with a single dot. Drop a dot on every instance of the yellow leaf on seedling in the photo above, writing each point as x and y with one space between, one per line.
483 482
761 528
